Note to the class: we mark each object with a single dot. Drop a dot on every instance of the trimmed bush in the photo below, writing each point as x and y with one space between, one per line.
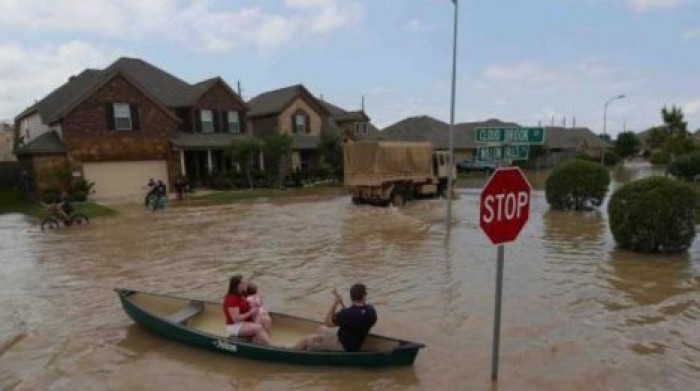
611 158
686 166
79 196
653 214
660 157
577 185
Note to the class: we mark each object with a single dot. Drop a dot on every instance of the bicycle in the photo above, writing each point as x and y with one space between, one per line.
53 221
157 202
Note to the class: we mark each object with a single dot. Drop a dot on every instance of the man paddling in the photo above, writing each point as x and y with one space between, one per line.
353 324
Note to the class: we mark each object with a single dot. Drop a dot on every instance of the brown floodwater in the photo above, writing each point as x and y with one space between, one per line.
577 312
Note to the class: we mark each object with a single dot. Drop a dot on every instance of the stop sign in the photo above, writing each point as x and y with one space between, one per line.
504 205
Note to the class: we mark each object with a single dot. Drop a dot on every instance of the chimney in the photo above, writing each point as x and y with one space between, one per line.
362 105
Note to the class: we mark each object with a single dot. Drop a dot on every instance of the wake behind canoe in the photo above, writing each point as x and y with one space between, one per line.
201 323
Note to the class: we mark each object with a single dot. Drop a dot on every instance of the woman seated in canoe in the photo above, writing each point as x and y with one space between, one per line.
239 316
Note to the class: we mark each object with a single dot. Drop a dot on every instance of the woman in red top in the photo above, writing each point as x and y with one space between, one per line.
239 315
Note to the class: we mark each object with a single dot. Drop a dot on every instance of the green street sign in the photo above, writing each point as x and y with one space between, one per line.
503 152
510 135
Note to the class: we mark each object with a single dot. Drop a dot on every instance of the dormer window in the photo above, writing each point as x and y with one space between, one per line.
361 128
122 116
207 117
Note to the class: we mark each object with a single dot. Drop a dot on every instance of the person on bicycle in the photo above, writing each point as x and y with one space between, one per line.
151 191
61 206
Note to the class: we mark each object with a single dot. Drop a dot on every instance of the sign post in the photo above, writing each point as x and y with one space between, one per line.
504 210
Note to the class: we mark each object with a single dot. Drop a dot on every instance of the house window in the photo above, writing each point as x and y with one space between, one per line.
361 128
122 116
299 123
234 122
207 121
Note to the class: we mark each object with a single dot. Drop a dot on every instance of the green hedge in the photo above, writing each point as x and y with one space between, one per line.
653 214
660 157
577 185
686 166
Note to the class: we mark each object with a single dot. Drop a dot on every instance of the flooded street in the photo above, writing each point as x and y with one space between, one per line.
577 313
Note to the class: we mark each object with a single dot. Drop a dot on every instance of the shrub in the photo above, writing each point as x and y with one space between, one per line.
83 185
221 183
577 185
660 157
653 214
686 166
611 158
79 196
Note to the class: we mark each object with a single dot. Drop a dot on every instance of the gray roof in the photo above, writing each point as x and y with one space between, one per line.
425 128
169 90
205 140
571 138
342 115
274 102
48 142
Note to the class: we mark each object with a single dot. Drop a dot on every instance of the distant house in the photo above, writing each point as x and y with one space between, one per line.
129 122
6 143
426 128
296 112
560 143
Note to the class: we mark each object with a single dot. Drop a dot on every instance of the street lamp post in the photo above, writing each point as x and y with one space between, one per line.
605 126
452 118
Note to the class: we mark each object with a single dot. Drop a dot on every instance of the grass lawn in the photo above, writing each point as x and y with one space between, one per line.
12 201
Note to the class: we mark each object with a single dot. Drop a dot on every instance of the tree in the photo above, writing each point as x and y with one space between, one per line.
243 151
277 148
331 151
577 185
678 139
605 137
654 214
626 144
656 137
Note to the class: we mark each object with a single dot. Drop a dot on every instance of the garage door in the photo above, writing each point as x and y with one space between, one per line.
123 181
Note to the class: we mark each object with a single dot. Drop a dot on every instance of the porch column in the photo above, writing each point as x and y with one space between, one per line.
210 165
262 161
183 172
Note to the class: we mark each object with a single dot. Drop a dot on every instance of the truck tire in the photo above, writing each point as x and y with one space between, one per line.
397 199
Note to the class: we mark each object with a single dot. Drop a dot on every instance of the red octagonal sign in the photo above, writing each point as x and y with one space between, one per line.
505 205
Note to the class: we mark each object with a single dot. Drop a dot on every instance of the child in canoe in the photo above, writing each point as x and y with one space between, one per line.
255 301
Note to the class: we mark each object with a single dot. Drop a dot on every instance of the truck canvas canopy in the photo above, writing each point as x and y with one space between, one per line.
370 163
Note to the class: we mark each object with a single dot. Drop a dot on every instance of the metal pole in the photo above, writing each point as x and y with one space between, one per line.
452 119
602 139
497 315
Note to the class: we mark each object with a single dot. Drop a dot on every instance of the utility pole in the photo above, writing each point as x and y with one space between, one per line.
451 168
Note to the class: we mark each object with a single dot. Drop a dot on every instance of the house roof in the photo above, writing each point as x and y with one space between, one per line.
341 115
571 138
274 102
426 128
302 141
167 89
48 142
205 140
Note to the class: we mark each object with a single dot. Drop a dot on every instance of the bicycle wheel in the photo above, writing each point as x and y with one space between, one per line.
49 224
79 220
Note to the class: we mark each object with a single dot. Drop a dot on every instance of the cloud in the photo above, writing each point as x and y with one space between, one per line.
205 25
526 72
692 34
647 5
28 74
416 26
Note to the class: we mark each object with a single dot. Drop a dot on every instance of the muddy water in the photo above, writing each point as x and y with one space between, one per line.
577 313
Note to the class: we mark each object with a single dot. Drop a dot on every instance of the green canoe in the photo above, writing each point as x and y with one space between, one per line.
201 323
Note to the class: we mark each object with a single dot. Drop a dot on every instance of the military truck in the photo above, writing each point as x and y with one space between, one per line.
393 172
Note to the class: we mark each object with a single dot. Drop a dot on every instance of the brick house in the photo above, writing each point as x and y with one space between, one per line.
127 123
295 111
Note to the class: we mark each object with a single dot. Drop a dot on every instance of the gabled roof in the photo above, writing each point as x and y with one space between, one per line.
342 115
274 102
48 142
421 128
163 87
205 140
571 138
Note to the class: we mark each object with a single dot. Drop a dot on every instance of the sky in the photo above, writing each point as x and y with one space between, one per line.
525 61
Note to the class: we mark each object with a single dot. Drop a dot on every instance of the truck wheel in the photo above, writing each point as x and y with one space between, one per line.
398 199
